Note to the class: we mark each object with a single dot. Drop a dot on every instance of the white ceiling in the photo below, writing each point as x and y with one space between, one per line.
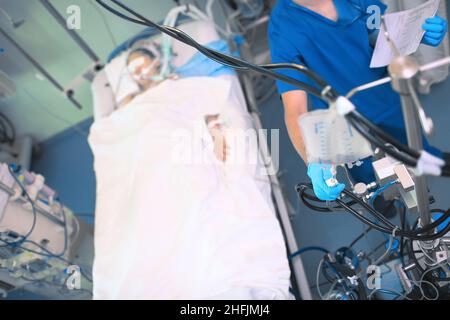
38 108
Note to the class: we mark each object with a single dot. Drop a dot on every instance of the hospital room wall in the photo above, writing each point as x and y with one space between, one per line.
66 162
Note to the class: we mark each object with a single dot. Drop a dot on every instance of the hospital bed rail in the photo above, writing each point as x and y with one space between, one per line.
298 270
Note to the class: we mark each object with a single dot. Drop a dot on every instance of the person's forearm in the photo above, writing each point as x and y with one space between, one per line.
220 143
296 136
295 104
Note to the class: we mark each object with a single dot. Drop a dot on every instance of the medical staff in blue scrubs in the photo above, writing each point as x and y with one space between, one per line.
333 38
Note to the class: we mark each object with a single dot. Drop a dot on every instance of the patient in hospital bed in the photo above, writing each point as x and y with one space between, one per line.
173 222
144 66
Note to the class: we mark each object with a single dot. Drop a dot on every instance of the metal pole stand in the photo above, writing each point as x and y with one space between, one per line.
403 71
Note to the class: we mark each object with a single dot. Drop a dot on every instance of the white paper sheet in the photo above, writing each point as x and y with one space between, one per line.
405 30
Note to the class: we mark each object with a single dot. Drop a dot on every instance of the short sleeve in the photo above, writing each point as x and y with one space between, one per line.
282 51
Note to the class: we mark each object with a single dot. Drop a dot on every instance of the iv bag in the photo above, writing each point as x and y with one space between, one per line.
330 139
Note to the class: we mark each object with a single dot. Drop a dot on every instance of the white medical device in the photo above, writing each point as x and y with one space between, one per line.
42 244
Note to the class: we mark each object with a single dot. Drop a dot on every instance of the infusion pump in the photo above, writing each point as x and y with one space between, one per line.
44 248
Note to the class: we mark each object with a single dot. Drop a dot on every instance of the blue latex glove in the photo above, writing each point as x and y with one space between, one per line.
436 29
320 174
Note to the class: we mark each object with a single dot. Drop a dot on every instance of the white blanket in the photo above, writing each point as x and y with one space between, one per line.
165 229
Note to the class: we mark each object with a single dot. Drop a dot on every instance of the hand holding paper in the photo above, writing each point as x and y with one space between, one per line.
406 32
436 29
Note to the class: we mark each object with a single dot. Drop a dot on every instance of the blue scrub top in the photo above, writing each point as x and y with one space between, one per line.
340 52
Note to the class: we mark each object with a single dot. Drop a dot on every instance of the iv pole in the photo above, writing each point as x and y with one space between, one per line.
41 69
403 73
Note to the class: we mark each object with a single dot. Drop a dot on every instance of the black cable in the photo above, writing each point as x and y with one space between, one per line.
370 209
412 255
379 138
222 58
66 240
329 95
24 240
333 94
378 215
364 219
385 136
326 275
305 197
409 157
33 208
402 239
417 234
398 232
48 254
432 225
355 200
404 158
342 272
217 56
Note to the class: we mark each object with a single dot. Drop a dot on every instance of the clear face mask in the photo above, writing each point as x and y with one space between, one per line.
145 73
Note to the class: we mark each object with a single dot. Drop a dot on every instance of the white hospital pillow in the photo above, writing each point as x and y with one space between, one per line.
201 31
121 82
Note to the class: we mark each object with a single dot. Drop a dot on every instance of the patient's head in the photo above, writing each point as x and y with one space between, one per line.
144 66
